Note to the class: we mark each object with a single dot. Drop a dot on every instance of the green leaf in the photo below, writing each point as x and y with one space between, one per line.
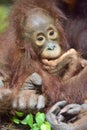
46 126
16 120
35 127
19 114
40 118
28 120
43 127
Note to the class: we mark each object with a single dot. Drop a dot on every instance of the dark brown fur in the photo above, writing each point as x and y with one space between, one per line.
76 25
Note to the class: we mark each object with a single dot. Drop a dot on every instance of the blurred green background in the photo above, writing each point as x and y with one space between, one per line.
4 11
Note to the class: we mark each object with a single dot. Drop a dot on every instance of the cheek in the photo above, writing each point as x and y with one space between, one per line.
51 53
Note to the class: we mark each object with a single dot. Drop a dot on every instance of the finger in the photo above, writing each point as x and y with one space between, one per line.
21 102
41 102
71 51
46 67
60 118
50 69
51 118
62 103
84 106
74 109
32 102
32 81
35 78
15 103
46 62
27 86
57 106
4 93
49 63
53 71
83 62
71 109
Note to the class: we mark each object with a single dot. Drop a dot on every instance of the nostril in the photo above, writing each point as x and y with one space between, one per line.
51 47
54 47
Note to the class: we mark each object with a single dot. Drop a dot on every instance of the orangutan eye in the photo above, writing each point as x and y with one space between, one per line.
52 34
40 40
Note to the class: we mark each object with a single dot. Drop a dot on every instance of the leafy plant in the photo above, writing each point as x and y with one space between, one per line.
3 17
37 122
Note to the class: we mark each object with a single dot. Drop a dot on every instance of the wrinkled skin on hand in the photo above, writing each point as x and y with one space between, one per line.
68 117
27 98
66 66
32 81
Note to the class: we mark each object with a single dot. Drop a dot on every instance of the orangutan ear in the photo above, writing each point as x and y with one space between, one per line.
23 35
24 38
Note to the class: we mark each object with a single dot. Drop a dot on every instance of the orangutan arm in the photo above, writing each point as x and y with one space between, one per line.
24 98
66 66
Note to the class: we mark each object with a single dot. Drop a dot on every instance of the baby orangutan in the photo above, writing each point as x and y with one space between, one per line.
48 45
34 37
51 45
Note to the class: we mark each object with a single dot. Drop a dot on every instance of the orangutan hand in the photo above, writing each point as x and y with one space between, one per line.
65 66
28 98
70 117
32 81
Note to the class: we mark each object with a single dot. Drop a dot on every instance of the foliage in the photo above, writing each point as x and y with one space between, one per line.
6 2
37 122
3 17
